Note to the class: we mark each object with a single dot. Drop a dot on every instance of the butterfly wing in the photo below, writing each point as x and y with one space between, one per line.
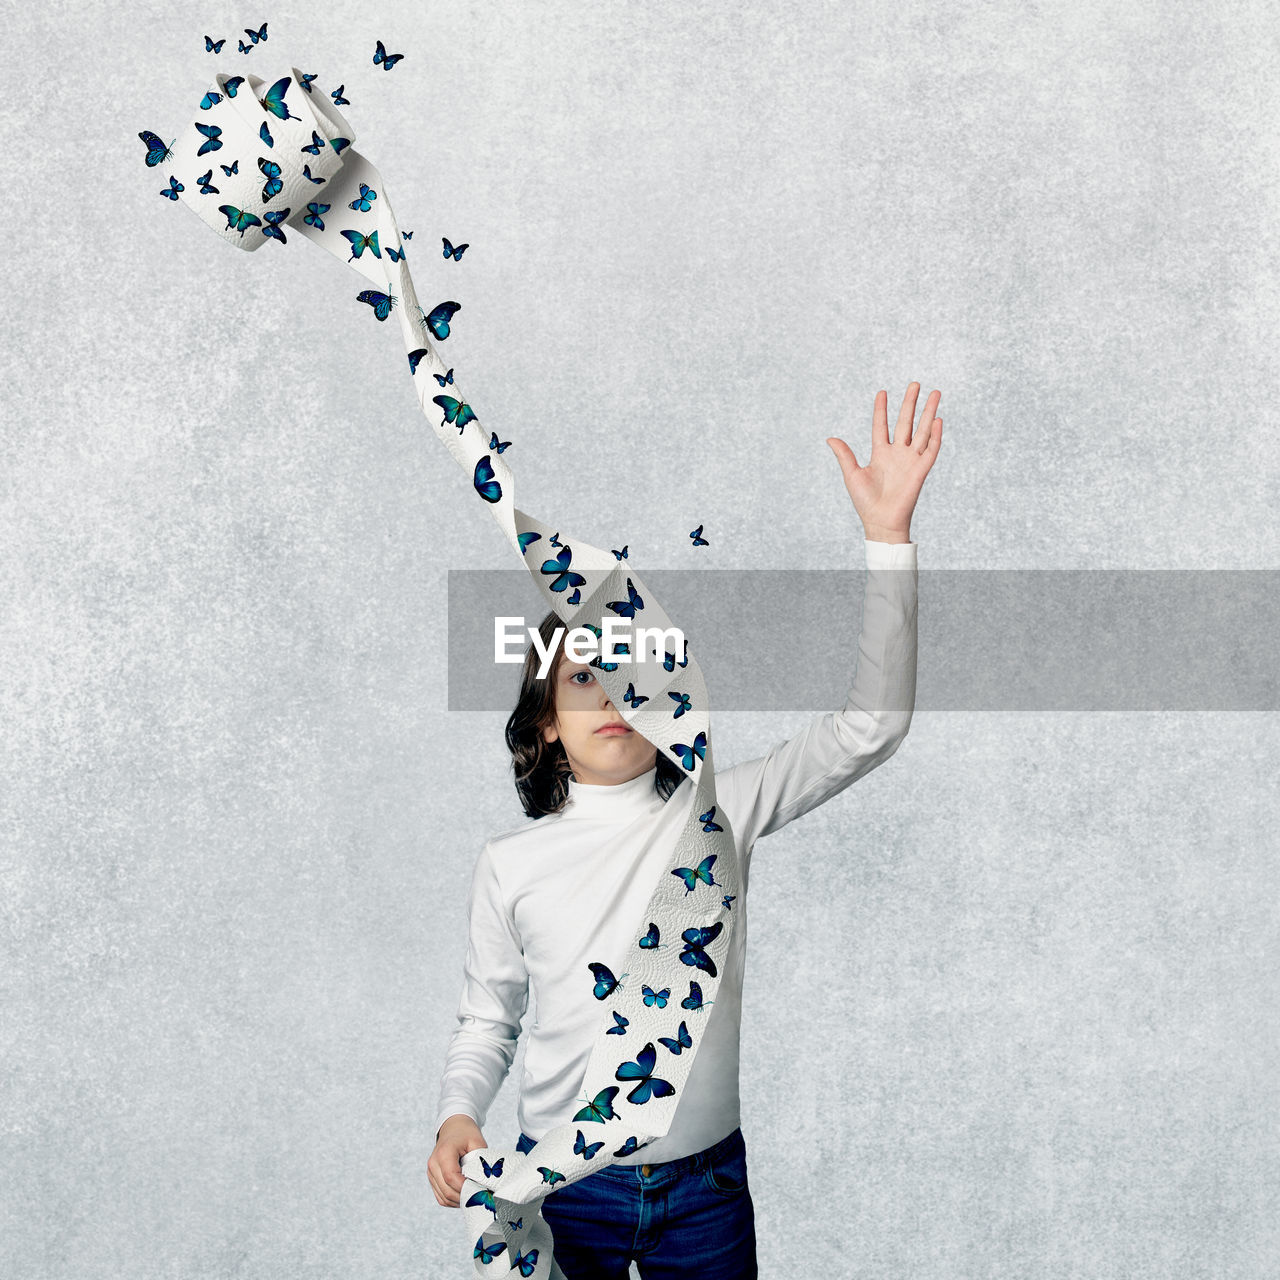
274 101
487 1252
643 1065
438 320
157 150
485 484
601 1108
605 981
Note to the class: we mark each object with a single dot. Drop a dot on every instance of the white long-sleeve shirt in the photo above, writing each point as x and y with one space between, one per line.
560 891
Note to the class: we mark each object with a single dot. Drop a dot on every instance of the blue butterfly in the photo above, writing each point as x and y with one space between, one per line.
274 219
273 185
526 540
669 659
485 1197
233 170
265 134
255 36
213 141
602 1108
388 60
313 147
690 876
395 254
630 1147
456 411
650 941
500 445
698 539
211 46
577 596
696 941
364 201
493 1170
231 84
517 1224
338 99
622 1024
632 696
157 151
627 608
274 101
621 555
314 215
380 302
359 243
641 1070
487 1252
442 379
173 188
605 981
408 235
307 79
727 899
206 183
682 704
549 1175
694 999
438 320
687 753
306 173
682 1041
415 358
244 48
619 648
555 539
339 144
584 1149
451 252
652 997
486 486
527 1261
210 99
564 577
708 820
238 219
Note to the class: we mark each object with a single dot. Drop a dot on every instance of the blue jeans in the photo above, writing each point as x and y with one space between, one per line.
686 1217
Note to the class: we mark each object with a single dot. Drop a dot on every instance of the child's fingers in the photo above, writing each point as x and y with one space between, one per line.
444 1196
446 1176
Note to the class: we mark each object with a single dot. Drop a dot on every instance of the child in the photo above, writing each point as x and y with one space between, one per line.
547 897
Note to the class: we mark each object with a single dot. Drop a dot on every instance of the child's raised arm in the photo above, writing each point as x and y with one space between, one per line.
841 746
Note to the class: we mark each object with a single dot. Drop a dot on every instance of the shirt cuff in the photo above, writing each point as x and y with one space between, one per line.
891 555
452 1110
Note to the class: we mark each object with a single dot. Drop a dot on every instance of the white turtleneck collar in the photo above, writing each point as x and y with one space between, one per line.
619 802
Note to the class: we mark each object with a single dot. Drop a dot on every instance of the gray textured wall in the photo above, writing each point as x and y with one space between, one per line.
237 823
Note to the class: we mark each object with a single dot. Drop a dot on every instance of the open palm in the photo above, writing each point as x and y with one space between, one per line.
884 492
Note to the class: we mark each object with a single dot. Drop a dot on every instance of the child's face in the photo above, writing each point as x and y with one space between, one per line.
582 708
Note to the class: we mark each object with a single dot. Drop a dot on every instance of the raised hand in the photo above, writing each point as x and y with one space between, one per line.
884 492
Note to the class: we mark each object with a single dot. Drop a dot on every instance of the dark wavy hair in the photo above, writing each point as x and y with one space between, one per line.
541 768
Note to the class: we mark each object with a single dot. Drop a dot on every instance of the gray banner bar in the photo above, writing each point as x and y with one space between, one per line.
990 640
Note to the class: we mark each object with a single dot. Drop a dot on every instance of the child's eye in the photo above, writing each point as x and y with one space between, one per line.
576 674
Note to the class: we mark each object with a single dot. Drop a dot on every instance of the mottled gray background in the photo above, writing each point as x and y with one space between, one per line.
1029 965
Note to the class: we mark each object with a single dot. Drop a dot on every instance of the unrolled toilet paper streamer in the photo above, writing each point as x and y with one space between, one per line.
262 164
